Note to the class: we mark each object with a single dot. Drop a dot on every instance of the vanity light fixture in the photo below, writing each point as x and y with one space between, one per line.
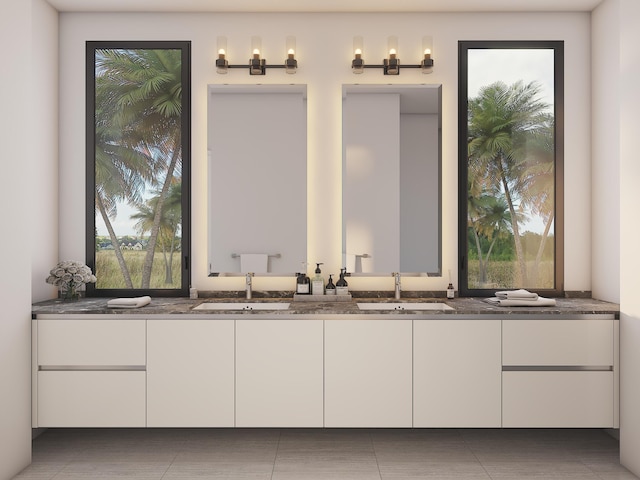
290 63
357 64
256 65
427 49
391 64
222 64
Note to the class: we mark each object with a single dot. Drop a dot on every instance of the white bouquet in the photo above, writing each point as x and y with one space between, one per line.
70 277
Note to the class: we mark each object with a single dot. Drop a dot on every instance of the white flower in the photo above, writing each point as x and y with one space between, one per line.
69 274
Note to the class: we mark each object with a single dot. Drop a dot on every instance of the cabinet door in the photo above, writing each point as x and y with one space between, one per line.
190 378
279 373
457 373
557 399
368 373
91 399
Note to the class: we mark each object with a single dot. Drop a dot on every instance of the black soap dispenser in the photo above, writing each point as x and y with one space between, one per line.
330 289
303 284
341 284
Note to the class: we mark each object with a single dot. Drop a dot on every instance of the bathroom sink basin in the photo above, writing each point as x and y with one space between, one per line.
404 306
242 306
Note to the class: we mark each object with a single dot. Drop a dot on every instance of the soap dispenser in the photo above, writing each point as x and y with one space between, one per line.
330 289
341 284
303 283
317 284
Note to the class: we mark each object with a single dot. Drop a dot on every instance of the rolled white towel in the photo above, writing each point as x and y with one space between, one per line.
135 302
520 294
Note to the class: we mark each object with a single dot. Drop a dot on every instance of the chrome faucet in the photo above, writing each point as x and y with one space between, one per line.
396 276
249 282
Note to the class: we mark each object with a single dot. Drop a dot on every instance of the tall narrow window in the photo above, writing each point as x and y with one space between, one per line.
510 166
138 167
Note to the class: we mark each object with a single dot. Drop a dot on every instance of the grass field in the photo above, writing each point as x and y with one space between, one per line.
109 275
501 275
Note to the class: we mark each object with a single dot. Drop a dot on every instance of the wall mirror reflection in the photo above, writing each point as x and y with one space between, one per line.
257 179
391 179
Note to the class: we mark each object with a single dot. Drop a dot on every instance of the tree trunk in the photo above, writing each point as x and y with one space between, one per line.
153 238
114 242
482 272
543 242
522 281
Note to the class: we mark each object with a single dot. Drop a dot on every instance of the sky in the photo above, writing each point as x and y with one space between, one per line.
487 66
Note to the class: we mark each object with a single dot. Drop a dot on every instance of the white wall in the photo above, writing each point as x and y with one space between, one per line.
616 173
27 134
605 203
629 234
324 43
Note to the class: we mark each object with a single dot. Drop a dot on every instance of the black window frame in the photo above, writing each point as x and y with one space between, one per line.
185 252
463 48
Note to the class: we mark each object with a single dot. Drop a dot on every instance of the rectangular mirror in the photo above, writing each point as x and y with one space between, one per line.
257 179
391 177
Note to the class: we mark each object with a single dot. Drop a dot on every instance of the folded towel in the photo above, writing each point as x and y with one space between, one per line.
135 302
254 262
538 302
521 294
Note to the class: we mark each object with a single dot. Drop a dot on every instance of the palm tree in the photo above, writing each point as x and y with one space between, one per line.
170 222
501 120
147 92
120 172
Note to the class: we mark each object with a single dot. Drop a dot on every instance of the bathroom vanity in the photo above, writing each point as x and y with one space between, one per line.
325 365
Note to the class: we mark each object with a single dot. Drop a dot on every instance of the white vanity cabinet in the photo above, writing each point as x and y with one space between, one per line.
190 373
90 373
279 373
457 373
559 373
368 366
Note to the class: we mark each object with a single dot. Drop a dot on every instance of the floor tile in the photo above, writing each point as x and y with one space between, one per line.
326 454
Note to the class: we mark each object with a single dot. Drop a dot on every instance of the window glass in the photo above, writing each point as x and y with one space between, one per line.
510 165
138 137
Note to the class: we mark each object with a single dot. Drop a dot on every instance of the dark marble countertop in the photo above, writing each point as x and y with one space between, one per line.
172 307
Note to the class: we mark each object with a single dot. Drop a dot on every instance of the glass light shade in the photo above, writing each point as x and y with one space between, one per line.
357 64
221 62
427 52
290 63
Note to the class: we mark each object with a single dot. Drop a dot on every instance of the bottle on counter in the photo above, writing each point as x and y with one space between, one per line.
330 289
341 284
317 284
303 284
451 293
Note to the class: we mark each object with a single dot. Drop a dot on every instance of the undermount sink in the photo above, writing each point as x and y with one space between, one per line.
403 306
242 306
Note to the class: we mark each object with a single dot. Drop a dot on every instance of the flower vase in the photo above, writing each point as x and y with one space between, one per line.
69 292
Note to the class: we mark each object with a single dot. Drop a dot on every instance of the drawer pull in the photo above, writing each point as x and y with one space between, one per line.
556 368
92 368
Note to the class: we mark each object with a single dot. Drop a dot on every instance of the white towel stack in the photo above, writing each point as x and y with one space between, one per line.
135 302
520 298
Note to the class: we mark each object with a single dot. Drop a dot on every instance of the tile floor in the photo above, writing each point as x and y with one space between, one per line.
331 454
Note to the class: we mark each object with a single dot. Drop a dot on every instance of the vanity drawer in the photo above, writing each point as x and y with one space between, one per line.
557 399
557 342
92 342
91 399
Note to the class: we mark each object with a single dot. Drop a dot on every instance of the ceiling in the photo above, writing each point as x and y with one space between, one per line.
324 5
